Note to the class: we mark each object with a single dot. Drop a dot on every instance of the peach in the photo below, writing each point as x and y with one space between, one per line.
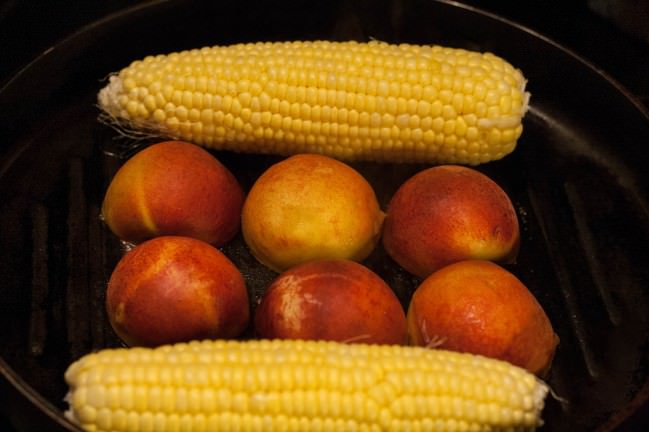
173 188
175 289
447 214
337 300
479 307
309 207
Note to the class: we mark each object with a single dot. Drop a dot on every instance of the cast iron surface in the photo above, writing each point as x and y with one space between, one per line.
577 180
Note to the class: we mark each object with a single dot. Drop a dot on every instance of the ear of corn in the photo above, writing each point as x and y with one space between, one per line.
299 386
349 100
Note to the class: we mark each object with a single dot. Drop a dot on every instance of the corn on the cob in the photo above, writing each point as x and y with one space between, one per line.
300 386
350 100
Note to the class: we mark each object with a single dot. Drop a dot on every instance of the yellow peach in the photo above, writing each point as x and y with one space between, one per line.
447 214
173 188
174 289
479 307
337 300
309 207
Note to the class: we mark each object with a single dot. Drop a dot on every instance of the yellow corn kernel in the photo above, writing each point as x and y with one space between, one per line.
335 86
284 384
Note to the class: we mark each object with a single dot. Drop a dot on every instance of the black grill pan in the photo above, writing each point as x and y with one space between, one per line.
578 180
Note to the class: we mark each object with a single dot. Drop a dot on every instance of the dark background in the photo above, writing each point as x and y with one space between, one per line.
611 40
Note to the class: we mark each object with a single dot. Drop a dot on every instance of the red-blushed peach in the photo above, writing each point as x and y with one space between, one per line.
338 300
446 214
175 289
479 307
308 207
173 188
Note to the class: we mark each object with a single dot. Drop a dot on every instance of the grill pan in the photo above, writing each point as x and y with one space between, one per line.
578 180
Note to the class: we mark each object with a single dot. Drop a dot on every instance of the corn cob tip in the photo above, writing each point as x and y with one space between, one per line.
113 114
108 95
69 413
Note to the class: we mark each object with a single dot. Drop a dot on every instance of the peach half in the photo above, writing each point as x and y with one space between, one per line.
479 307
338 300
175 289
173 188
309 207
446 214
